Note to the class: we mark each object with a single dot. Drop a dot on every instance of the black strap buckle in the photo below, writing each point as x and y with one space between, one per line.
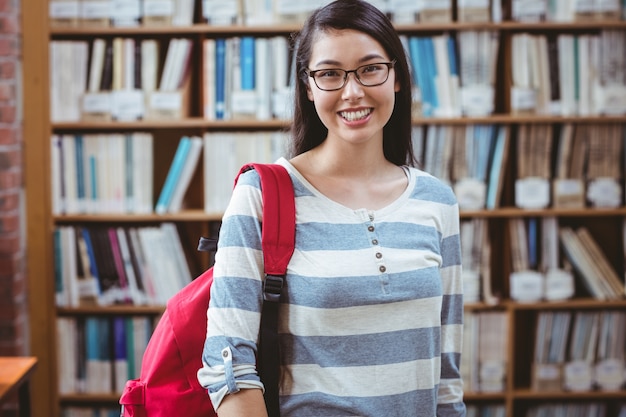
272 287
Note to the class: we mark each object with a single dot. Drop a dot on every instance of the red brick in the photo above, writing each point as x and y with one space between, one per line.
8 68
9 221
9 199
10 136
10 243
10 23
7 114
9 5
11 264
10 157
10 179
7 91
9 45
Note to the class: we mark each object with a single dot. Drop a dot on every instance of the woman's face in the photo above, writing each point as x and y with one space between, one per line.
354 113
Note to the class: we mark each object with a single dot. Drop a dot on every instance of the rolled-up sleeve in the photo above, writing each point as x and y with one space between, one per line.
229 354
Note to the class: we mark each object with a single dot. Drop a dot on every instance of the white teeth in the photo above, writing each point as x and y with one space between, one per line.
355 115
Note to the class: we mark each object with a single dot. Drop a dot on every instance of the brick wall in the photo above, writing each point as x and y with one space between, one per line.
13 309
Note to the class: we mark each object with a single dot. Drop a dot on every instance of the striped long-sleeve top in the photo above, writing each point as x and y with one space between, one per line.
371 321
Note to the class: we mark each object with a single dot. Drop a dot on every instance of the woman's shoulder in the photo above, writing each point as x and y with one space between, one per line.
429 187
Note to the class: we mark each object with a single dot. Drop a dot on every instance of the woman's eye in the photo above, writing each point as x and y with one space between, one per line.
328 73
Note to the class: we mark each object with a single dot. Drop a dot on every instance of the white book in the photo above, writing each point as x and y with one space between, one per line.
70 174
183 13
117 172
208 70
171 239
143 172
443 78
97 64
128 81
67 354
264 68
189 168
149 65
567 70
169 67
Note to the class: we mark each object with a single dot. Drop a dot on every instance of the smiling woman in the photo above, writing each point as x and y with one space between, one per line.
371 322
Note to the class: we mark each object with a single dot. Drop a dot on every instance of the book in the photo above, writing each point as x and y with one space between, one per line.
189 168
173 175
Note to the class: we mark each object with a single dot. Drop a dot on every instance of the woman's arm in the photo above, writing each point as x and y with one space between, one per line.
245 403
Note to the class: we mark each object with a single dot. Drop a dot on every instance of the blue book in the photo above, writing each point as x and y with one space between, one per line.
173 175
431 68
220 78
92 354
532 243
93 267
454 69
80 172
497 167
415 63
120 353
247 62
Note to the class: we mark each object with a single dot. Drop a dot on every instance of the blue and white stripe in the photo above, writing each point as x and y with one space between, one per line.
371 323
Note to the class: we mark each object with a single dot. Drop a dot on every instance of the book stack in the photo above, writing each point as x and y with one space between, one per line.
116 265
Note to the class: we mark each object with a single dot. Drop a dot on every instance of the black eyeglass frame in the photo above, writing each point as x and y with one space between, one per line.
311 73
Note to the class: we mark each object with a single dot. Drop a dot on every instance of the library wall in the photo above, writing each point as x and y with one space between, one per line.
13 277
13 315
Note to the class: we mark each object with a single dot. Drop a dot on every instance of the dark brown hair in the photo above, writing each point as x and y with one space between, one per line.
307 130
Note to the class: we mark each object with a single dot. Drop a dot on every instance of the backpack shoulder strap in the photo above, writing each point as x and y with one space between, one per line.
279 216
278 242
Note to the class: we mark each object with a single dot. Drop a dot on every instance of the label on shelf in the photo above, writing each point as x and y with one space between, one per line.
220 12
95 9
97 103
578 376
532 193
471 193
126 11
153 8
127 104
243 102
523 99
559 284
611 99
568 193
527 286
604 192
64 9
546 377
477 100
610 374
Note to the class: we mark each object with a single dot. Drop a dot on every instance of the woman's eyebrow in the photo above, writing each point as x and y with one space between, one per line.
360 61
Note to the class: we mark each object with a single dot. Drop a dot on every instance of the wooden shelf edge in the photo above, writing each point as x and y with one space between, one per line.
273 124
288 28
132 310
568 395
195 215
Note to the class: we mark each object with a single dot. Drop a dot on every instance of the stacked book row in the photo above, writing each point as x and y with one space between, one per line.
580 350
97 354
100 265
569 74
485 351
549 260
114 173
118 79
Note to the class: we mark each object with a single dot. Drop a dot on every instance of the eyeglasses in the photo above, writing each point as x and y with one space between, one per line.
369 75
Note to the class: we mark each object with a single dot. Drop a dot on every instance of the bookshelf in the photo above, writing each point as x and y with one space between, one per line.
516 399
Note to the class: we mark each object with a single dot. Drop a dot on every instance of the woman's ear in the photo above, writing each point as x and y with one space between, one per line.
309 93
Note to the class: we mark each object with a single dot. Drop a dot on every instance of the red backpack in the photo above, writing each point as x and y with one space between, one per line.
168 384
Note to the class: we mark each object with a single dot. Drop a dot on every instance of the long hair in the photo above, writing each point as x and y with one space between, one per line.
307 130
